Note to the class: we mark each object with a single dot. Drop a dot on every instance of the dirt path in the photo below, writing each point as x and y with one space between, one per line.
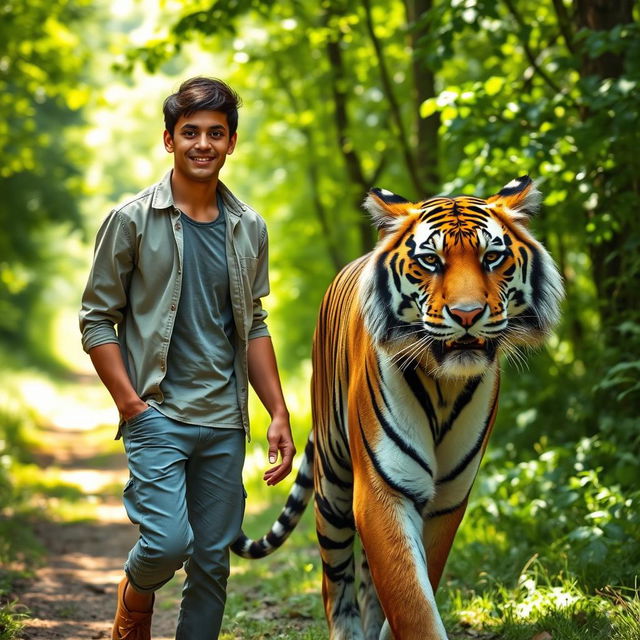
73 594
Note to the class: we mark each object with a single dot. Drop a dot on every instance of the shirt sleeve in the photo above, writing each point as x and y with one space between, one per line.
104 300
260 290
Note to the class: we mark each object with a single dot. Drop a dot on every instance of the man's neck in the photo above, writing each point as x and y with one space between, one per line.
196 199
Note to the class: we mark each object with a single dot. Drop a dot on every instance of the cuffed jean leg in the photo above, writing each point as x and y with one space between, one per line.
215 499
155 497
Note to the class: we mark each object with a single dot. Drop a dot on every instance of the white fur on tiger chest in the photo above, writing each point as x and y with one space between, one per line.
432 457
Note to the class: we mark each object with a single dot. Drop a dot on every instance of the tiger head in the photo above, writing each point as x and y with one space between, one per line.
454 281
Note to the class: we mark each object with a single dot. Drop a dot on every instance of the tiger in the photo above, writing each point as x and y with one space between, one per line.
404 394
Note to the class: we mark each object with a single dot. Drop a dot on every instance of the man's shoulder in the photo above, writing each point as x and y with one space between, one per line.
144 201
240 208
250 214
141 200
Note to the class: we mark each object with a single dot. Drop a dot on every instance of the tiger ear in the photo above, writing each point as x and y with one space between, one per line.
520 198
385 208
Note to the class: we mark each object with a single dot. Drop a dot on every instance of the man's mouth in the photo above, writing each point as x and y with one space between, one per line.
201 159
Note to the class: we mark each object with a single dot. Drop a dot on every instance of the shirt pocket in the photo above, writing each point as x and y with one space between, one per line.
249 266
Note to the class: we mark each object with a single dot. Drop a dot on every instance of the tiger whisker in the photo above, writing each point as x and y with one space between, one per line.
403 357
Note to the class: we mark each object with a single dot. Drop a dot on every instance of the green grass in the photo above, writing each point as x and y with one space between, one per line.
538 551
554 604
504 580
278 596
10 621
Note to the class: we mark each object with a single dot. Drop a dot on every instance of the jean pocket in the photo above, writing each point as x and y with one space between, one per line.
138 417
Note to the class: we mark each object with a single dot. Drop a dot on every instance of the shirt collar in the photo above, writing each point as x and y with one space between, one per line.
163 196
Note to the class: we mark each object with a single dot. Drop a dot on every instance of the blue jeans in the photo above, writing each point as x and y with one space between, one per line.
185 493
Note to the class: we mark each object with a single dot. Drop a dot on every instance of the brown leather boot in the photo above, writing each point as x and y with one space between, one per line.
130 625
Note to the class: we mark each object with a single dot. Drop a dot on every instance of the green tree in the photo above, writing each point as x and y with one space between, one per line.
41 95
335 89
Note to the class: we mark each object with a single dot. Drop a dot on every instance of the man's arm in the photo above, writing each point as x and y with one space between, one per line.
107 360
103 303
263 375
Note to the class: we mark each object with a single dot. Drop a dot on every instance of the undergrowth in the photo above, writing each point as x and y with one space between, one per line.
548 545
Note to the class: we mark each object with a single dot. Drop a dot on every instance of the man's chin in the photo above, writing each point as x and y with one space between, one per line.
204 174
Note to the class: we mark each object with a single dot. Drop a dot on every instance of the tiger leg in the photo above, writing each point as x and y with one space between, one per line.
391 532
370 609
439 533
336 532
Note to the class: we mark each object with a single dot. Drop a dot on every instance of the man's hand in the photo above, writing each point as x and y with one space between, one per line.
263 375
133 408
280 440
109 365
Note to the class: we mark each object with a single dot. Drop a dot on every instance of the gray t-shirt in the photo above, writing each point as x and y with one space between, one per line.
200 385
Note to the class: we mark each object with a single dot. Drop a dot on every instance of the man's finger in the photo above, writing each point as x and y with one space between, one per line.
273 450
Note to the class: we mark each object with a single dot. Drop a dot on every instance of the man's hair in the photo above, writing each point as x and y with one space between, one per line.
201 94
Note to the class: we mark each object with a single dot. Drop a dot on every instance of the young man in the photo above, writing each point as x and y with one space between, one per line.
181 270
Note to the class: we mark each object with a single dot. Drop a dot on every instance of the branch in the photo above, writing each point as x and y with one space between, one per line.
564 22
312 172
352 159
341 116
387 86
528 51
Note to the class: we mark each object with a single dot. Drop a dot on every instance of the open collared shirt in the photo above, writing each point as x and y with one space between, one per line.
136 278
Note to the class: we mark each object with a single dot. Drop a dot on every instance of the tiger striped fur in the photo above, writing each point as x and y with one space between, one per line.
404 397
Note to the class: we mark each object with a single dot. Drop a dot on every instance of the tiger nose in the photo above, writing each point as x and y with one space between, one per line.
466 317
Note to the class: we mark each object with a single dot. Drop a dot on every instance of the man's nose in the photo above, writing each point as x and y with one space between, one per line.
203 141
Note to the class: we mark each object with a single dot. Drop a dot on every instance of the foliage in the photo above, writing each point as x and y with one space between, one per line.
10 622
19 549
418 96
551 90
41 66
564 499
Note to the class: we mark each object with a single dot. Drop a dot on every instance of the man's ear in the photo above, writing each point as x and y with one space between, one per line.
167 138
520 198
232 143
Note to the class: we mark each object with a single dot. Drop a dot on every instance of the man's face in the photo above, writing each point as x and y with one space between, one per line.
200 144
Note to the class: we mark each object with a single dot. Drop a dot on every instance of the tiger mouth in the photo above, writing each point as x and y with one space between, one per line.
467 343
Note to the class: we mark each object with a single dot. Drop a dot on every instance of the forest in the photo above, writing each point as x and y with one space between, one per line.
421 97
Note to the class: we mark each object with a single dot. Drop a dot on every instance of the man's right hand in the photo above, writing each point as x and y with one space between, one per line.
109 365
131 410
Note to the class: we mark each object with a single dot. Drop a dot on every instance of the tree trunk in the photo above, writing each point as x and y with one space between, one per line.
426 129
603 15
609 260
